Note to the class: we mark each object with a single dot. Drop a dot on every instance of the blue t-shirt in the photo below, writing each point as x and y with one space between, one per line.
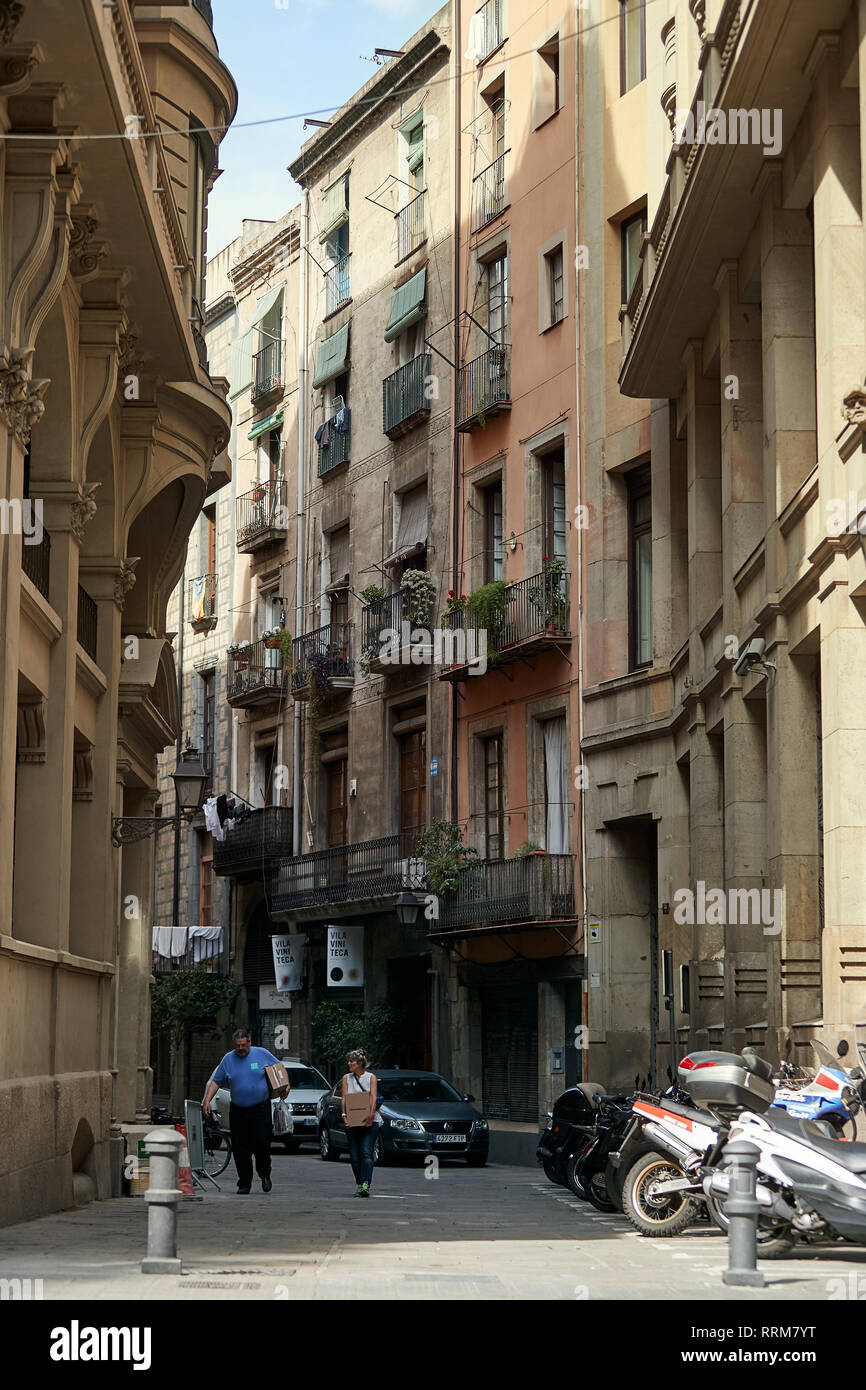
245 1076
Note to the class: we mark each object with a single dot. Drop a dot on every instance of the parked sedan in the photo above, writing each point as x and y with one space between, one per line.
307 1086
422 1114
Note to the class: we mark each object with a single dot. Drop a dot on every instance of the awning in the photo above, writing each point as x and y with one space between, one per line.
265 305
407 305
335 210
273 422
412 530
333 356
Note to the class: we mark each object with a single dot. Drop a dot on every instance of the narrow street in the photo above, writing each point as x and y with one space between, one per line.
493 1233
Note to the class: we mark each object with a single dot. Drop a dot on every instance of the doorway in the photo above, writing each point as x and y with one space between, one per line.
410 989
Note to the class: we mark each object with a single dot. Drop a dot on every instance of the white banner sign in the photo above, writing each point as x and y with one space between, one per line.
345 956
288 961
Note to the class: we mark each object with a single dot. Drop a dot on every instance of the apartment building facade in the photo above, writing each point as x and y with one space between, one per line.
113 435
724 477
513 931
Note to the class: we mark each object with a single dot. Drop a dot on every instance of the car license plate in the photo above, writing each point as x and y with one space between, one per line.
449 1138
307 1119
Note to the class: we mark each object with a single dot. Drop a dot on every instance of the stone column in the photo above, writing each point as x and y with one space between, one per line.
707 827
134 1076
704 485
792 828
95 861
43 806
11 486
748 978
742 419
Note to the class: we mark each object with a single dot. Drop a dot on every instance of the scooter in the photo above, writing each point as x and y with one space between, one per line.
833 1096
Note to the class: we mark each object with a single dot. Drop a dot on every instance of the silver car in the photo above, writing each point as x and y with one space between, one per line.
307 1085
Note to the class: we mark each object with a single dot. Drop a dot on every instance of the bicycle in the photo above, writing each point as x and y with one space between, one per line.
217 1147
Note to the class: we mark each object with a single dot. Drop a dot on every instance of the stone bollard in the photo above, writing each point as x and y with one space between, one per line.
742 1208
163 1147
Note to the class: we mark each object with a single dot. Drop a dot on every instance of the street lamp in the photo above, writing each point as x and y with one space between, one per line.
407 908
190 780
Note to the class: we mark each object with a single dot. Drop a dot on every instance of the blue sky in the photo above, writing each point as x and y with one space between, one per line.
288 56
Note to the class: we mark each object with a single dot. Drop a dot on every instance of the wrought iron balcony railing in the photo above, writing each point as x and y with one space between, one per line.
410 226
256 675
258 841
484 387
87 622
36 562
338 284
322 655
377 618
499 892
492 29
489 192
261 515
536 612
211 956
405 399
336 451
268 369
370 870
202 601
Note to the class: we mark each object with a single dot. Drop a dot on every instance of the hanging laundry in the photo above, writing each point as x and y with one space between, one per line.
200 937
323 435
222 809
212 820
341 423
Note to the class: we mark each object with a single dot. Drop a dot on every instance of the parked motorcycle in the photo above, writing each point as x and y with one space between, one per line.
833 1096
568 1135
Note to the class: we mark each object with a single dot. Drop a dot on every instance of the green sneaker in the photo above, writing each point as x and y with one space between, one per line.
364 1190
359 1190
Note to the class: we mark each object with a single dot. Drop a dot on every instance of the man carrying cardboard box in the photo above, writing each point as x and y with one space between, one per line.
249 1074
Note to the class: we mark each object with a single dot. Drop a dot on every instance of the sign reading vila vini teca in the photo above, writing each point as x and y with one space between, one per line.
345 956
288 961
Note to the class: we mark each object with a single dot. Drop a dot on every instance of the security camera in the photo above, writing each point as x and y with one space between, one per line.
751 656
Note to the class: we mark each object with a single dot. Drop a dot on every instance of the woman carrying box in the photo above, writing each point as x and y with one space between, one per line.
361 1121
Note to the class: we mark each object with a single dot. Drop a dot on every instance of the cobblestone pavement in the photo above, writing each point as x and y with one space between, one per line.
492 1233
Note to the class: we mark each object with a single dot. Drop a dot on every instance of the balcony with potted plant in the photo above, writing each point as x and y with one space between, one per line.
257 673
519 619
261 516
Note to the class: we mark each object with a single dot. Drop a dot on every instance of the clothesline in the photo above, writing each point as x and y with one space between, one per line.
174 942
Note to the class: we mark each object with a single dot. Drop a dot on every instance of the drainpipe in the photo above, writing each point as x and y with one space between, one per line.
455 436
297 765
578 317
175 897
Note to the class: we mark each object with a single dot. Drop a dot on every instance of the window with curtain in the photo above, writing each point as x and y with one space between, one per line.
497 297
494 798
632 43
556 785
640 566
494 563
554 522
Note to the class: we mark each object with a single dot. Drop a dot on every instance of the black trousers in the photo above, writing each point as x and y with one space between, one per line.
251 1128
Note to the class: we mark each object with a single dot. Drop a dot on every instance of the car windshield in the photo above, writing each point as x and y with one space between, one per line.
418 1088
306 1078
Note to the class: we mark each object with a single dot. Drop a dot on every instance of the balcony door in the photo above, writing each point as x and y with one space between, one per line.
554 525
412 755
556 785
336 802
494 798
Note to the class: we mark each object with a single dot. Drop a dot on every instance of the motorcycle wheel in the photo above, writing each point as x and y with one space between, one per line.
597 1193
611 1178
774 1241
550 1172
660 1216
573 1180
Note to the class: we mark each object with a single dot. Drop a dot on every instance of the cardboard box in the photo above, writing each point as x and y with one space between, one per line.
357 1109
277 1078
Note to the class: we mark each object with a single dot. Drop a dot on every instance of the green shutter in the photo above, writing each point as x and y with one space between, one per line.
407 305
333 357
273 422
335 209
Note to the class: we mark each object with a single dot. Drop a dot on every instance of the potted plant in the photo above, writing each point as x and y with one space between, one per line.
485 609
271 638
453 604
444 854
372 593
418 589
240 653
286 647
529 848
258 492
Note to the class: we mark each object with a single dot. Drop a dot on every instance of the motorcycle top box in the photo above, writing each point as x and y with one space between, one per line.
726 1081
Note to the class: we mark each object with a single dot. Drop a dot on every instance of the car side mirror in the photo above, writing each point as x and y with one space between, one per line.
468 1099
